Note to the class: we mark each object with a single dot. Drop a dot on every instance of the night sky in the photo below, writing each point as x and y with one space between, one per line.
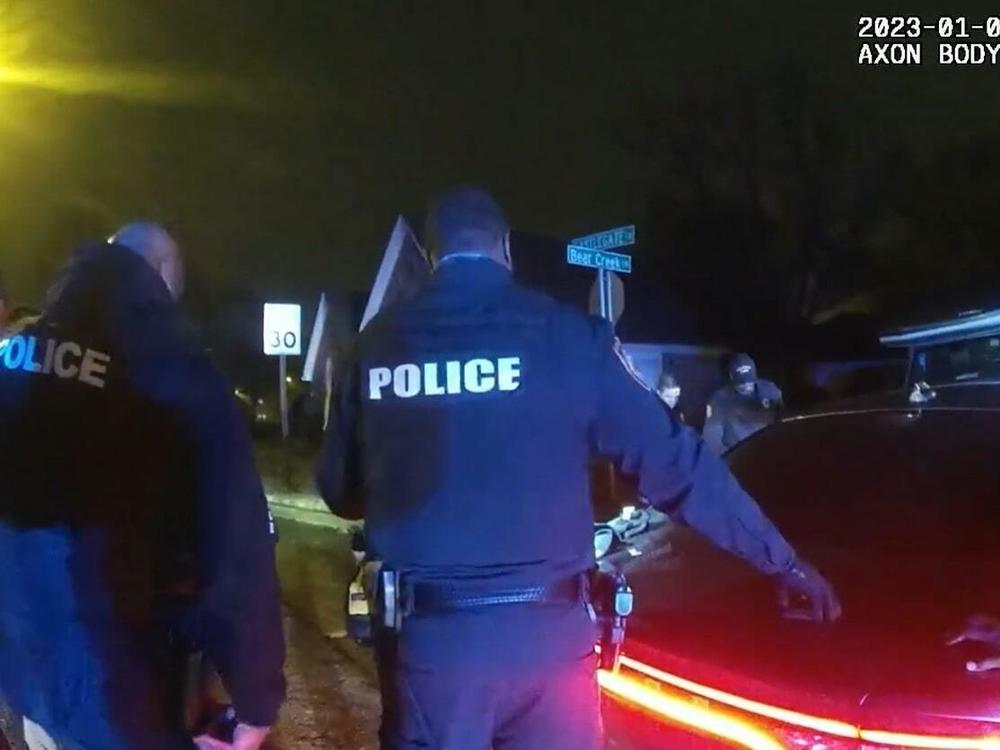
763 165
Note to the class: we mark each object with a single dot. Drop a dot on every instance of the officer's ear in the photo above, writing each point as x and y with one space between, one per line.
508 260
171 270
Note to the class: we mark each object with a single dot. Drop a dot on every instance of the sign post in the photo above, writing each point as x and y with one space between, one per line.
592 252
604 283
283 337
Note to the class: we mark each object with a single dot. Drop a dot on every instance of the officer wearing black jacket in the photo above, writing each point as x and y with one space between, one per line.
462 429
745 406
130 513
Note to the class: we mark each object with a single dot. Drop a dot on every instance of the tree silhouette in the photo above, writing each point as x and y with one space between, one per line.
782 190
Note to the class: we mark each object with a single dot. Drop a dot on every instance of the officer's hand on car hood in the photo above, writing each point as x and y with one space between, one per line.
803 581
979 629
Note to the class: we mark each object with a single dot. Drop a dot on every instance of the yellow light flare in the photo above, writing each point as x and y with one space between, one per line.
150 86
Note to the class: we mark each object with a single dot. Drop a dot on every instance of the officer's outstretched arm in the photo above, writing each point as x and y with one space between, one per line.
340 470
676 470
680 475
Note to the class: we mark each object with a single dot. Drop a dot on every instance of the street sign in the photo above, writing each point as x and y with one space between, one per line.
578 255
607 240
592 252
282 330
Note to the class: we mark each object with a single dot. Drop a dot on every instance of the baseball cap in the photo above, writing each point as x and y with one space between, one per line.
742 370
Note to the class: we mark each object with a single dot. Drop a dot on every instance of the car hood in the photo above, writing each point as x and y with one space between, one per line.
907 574
708 619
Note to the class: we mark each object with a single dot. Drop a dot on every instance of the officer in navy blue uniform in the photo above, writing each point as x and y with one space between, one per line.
461 430
745 406
131 514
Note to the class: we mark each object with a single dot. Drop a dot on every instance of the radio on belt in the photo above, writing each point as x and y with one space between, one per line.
615 601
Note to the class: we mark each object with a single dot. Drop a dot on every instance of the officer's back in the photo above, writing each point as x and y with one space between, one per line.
467 413
481 388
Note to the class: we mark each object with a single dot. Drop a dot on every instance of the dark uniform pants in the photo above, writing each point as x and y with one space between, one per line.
554 709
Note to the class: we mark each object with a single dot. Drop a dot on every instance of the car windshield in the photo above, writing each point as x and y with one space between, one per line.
915 484
958 362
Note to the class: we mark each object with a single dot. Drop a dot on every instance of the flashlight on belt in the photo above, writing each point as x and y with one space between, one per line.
619 607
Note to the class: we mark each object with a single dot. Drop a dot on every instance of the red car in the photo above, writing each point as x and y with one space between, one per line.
897 500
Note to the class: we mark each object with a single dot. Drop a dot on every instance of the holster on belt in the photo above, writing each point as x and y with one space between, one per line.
391 598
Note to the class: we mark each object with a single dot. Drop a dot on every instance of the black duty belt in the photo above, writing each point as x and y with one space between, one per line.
428 598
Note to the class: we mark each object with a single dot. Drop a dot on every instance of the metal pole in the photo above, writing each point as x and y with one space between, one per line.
283 394
602 291
609 295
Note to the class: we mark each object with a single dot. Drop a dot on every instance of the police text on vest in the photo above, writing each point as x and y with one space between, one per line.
66 360
445 378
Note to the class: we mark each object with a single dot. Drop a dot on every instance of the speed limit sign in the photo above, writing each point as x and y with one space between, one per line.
282 329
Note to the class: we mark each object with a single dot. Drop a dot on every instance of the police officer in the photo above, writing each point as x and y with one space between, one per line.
461 431
130 513
738 410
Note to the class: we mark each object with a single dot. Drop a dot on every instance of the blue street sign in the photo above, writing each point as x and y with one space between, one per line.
604 261
607 240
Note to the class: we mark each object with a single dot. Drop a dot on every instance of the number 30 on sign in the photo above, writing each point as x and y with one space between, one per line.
282 329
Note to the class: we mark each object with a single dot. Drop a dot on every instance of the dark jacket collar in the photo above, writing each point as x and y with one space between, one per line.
473 271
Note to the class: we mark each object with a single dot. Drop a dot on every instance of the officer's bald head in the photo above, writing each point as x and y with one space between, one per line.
468 219
154 243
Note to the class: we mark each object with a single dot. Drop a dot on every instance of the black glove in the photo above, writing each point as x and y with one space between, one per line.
983 630
803 581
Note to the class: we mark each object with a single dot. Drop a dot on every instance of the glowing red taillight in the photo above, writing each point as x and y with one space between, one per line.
683 712
754 724
928 741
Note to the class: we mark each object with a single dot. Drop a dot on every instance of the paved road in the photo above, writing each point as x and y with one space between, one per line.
332 698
